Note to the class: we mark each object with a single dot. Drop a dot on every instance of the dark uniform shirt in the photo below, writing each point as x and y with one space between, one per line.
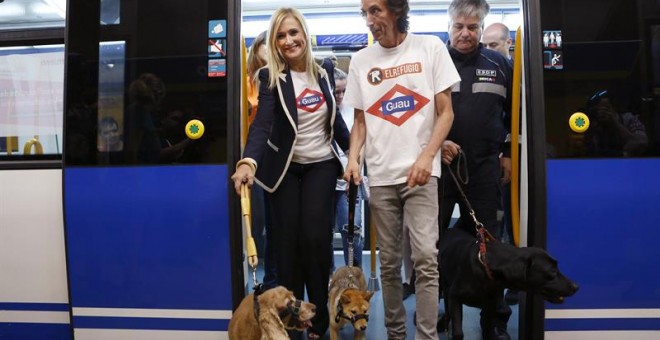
482 108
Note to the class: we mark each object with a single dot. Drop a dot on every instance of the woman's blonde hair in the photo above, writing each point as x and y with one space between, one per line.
276 62
254 61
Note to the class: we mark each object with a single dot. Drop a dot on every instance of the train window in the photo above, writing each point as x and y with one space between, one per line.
31 93
131 103
32 14
607 73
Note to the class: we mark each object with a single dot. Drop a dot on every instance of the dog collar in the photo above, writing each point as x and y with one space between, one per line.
341 315
258 289
293 309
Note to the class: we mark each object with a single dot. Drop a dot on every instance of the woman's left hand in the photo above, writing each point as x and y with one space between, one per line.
243 174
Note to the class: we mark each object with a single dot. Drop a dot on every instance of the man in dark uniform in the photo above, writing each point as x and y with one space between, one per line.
482 106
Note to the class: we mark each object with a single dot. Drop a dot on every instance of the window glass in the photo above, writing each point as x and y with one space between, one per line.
22 14
26 14
110 12
130 103
600 77
31 94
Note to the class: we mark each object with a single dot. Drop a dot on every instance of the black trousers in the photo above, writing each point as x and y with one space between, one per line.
301 210
484 199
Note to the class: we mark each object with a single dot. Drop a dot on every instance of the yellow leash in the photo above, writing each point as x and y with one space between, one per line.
253 261
244 91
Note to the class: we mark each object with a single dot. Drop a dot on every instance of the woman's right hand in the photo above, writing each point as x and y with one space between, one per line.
242 175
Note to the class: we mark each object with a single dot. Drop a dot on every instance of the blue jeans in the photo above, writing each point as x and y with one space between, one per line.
341 224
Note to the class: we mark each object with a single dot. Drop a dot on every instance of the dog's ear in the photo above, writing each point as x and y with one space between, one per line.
344 299
541 268
276 298
367 295
507 262
271 326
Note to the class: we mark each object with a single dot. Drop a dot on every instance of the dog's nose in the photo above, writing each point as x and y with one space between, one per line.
313 310
363 327
575 288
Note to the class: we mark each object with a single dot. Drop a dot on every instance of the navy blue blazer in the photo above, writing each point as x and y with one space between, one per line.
272 134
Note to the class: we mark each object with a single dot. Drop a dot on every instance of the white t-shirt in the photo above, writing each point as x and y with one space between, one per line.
312 143
396 88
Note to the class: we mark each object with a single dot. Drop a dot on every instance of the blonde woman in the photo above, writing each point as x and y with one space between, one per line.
289 154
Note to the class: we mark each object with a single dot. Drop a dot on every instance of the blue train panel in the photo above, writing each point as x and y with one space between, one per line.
602 227
35 331
34 321
148 247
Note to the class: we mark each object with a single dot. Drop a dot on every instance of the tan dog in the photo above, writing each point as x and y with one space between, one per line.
348 302
277 310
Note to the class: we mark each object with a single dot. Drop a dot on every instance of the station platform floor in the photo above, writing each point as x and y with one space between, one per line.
376 329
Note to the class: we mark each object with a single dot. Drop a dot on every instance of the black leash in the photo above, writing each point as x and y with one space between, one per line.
483 236
258 290
352 201
461 159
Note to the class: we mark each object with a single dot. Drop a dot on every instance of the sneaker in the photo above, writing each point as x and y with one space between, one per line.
408 290
496 333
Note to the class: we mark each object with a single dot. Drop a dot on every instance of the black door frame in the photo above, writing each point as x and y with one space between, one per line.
532 309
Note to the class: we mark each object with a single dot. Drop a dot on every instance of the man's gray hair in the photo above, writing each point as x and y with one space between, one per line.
468 8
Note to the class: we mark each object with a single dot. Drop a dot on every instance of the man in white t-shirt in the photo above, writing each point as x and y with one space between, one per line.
401 91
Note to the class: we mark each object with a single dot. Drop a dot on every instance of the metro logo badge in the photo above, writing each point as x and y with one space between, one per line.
310 100
376 75
398 105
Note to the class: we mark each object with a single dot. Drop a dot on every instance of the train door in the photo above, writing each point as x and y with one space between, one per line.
149 106
595 158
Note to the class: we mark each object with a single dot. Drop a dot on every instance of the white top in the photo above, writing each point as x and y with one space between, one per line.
396 88
312 143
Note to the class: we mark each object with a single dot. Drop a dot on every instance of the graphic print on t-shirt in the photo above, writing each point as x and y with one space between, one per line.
310 100
398 105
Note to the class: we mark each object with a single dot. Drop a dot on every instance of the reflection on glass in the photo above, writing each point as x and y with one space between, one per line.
110 12
613 133
111 96
31 100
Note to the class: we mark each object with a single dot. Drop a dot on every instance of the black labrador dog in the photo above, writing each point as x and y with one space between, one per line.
464 280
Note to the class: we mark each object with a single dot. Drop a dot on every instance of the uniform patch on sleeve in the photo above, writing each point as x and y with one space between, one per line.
486 73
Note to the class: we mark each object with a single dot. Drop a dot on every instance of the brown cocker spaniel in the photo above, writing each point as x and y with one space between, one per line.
275 311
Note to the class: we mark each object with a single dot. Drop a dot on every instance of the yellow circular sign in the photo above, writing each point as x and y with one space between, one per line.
194 129
579 122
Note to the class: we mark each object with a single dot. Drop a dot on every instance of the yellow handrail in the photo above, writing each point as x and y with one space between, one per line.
515 132
10 145
38 149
